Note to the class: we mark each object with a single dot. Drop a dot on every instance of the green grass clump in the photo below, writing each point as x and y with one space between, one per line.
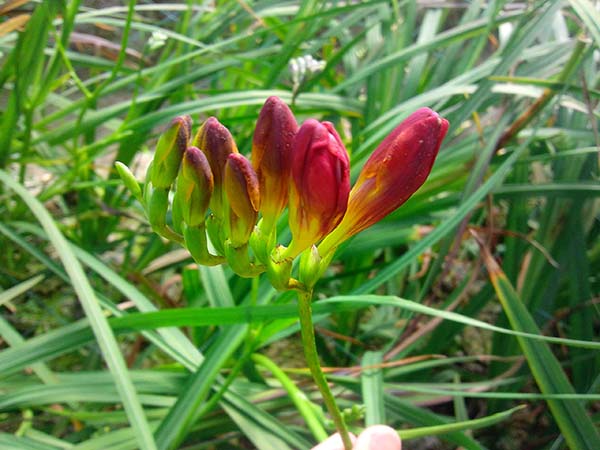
469 317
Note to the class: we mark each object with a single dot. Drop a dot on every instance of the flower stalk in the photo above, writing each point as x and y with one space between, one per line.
311 355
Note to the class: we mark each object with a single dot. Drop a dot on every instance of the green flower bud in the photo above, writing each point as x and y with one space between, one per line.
169 152
129 179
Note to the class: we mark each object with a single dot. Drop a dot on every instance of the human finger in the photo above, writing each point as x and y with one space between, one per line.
333 442
378 437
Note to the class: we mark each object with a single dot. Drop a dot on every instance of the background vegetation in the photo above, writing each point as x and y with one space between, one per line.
112 338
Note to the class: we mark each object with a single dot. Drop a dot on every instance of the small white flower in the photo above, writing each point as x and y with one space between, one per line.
157 40
302 67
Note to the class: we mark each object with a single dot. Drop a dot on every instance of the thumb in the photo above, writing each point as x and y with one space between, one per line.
334 442
378 437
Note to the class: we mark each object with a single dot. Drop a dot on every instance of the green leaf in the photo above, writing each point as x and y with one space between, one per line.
98 322
590 16
301 401
10 441
372 388
182 415
21 288
570 415
69 337
474 424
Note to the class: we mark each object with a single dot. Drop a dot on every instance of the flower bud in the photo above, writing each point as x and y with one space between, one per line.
129 180
169 151
217 144
194 187
271 156
395 170
320 184
241 186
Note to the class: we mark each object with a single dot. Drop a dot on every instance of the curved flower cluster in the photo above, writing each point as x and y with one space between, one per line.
237 202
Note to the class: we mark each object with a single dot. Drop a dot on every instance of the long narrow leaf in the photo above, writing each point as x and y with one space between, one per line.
106 339
458 426
572 419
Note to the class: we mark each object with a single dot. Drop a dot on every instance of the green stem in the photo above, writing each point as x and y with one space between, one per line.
312 359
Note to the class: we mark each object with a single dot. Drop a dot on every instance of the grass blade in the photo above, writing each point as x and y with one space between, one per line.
106 339
21 288
174 427
302 403
372 388
572 419
72 336
589 15
458 426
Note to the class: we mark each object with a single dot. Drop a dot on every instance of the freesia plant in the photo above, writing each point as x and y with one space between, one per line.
221 196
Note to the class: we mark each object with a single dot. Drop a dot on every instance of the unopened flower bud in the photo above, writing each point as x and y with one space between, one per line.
169 151
217 144
194 187
271 156
129 180
395 170
241 187
320 184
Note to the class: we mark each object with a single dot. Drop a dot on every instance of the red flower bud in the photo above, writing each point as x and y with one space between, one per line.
194 187
395 170
271 156
169 151
241 186
217 144
320 184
